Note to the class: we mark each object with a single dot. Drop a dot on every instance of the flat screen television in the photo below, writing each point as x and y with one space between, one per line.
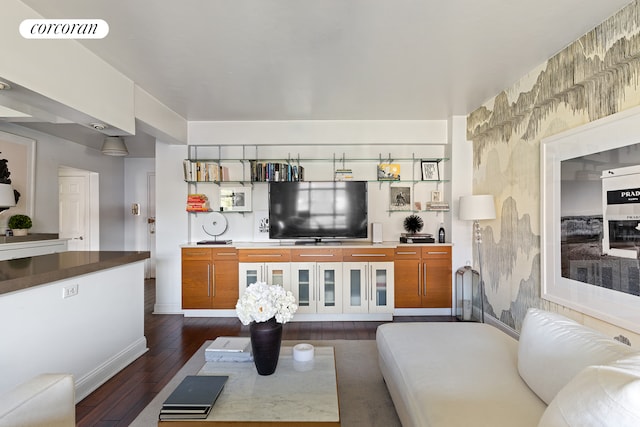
317 210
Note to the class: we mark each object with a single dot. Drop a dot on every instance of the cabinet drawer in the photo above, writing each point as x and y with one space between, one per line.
226 253
436 251
316 255
367 254
196 253
264 255
407 253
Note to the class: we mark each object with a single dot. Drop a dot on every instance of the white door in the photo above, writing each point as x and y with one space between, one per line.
150 264
73 208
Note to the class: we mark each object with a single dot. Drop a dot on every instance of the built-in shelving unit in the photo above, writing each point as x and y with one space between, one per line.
253 168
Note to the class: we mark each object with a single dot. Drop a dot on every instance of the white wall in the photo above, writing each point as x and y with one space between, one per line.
52 152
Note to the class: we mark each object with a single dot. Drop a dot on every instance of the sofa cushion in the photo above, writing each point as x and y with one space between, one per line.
598 396
45 400
455 374
553 349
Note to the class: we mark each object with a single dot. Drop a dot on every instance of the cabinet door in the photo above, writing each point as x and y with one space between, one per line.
355 297
381 287
303 285
224 284
278 273
196 278
437 282
196 284
250 272
329 279
408 283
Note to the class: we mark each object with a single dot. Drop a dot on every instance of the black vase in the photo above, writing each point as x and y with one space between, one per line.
265 344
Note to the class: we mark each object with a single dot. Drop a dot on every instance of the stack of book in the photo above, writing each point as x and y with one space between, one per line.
193 398
204 171
416 238
343 175
198 203
264 172
229 349
437 206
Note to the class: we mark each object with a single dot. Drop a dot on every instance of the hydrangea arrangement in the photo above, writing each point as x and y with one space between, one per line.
260 302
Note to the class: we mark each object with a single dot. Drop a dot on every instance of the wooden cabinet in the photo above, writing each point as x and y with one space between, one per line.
316 280
209 278
423 277
264 265
368 280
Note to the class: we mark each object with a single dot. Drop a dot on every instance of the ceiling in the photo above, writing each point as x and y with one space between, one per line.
329 59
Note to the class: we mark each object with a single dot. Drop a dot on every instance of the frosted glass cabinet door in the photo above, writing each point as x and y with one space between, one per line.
303 285
330 283
381 288
273 273
316 287
355 296
368 287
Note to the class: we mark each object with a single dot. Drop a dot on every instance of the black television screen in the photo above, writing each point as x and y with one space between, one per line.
317 210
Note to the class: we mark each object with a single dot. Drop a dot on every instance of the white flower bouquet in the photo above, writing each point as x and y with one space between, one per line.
260 302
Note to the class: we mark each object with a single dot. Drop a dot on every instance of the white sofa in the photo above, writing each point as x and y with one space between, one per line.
559 373
45 400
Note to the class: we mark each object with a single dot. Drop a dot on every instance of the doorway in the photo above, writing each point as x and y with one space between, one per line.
78 201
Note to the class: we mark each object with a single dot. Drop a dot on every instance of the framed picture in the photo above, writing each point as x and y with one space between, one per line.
430 170
400 198
17 160
590 228
388 172
436 196
235 199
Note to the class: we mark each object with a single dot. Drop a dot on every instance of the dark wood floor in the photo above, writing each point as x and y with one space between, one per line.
172 340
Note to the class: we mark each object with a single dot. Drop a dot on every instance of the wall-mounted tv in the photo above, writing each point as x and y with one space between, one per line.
317 210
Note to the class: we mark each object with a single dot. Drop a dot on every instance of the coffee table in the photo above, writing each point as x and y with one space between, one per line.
297 394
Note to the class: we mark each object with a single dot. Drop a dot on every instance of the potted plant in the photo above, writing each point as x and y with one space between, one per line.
20 224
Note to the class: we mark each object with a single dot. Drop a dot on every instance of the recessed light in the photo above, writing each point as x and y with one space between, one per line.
4 85
98 126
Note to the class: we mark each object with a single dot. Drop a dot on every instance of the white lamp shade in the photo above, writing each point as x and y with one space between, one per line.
7 197
477 207
114 146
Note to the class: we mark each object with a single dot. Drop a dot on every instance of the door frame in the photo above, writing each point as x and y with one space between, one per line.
92 203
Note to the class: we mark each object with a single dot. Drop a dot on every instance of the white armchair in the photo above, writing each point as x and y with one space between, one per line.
45 400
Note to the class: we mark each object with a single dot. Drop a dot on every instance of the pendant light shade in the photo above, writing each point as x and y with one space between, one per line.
114 146
7 197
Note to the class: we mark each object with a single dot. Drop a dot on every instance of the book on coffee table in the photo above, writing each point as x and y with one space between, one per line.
193 398
229 349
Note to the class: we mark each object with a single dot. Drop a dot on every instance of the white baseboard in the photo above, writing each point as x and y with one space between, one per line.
98 376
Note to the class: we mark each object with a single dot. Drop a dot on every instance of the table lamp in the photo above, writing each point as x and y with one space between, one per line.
476 208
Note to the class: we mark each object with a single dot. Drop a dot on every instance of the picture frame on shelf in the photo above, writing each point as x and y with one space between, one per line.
430 170
436 196
388 172
400 198
235 199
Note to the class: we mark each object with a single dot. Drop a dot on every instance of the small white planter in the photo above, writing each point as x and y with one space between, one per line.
20 231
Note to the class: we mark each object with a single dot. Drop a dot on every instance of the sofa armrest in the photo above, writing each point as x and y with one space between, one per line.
47 399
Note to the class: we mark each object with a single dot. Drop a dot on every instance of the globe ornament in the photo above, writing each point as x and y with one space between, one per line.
413 224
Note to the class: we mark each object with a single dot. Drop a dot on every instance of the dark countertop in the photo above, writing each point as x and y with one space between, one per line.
28 238
23 273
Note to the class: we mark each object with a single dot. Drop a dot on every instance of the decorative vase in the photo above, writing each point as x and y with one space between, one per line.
265 344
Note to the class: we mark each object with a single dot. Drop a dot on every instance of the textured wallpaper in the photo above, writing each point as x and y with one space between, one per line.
596 76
